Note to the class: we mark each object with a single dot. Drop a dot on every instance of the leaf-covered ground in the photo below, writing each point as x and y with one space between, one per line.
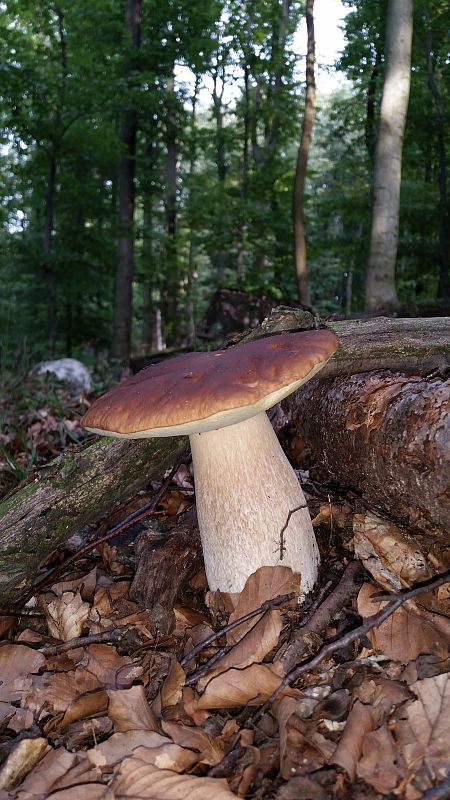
96 703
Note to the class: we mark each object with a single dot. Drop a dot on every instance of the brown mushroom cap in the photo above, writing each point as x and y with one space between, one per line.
199 392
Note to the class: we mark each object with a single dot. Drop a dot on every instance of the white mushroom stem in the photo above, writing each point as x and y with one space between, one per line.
245 490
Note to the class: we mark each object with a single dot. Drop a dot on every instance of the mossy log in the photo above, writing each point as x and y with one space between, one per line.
75 490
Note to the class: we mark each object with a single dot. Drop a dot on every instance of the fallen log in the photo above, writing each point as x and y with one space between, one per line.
416 346
384 435
75 490
78 489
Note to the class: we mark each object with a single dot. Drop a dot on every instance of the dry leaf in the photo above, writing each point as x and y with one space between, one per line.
136 779
129 710
392 557
172 688
378 765
302 748
111 670
336 515
210 749
149 746
67 616
253 647
250 686
56 691
17 663
409 631
21 760
425 734
83 707
265 584
348 751
57 769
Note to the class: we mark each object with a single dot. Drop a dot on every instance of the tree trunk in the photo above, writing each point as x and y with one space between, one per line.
49 273
384 435
241 251
191 276
370 132
380 289
123 303
73 491
171 283
444 276
298 200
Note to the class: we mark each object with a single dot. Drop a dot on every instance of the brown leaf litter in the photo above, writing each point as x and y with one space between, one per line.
140 715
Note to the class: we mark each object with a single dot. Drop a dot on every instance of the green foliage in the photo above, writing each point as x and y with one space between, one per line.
64 96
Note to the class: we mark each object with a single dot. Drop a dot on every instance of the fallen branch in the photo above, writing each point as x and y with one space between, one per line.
320 619
111 636
343 641
262 609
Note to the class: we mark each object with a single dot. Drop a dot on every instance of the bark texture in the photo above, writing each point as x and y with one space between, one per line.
380 281
75 490
164 563
385 435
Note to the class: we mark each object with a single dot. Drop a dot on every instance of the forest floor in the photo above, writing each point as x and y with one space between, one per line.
95 703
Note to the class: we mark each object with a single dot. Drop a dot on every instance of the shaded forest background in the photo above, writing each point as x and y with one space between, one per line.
149 154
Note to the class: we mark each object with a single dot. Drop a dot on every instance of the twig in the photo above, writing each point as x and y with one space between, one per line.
282 544
277 601
371 622
208 664
112 635
224 767
136 516
439 792
321 617
25 612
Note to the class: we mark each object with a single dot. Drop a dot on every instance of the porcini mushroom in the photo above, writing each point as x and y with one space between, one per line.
251 508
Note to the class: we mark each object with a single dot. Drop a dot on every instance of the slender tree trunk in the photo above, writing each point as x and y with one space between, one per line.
444 222
123 303
192 243
148 258
370 134
380 280
302 163
244 180
171 288
219 257
49 274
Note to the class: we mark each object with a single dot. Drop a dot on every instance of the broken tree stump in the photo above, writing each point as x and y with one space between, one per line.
164 563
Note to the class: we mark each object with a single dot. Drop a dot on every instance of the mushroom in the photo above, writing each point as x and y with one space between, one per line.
251 508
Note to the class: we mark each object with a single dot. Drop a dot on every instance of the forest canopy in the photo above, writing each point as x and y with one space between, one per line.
149 153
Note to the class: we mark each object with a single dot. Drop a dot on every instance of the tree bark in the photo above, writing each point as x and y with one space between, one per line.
384 435
123 303
298 201
164 563
380 289
73 491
